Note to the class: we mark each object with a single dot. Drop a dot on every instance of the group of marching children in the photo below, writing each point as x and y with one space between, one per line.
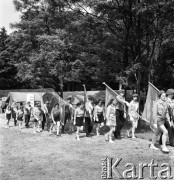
41 116
118 110
84 115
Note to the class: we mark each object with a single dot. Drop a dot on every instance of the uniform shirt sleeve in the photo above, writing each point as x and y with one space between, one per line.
119 99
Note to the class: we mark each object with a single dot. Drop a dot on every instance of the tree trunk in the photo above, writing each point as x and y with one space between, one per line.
61 85
120 86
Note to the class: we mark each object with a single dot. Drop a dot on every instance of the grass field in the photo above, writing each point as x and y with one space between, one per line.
28 156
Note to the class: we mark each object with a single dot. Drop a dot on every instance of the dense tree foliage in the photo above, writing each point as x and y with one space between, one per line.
63 44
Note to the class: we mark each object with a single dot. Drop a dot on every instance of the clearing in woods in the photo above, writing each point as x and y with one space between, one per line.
24 155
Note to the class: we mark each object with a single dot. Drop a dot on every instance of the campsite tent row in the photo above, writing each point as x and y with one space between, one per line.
40 96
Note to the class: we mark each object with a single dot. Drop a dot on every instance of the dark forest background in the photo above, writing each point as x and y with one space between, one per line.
63 44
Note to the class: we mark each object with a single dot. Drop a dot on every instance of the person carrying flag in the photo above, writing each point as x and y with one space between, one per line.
159 118
111 119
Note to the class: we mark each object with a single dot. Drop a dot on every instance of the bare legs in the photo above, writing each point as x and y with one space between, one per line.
109 134
7 126
132 129
97 129
37 126
20 124
164 138
77 133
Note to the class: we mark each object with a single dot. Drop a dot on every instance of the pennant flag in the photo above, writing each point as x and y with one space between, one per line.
110 94
152 95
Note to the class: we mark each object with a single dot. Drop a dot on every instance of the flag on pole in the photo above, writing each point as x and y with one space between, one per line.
110 94
152 96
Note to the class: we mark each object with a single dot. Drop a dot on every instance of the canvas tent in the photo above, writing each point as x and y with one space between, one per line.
22 97
38 97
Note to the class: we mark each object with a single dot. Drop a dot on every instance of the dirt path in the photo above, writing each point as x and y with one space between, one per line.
28 156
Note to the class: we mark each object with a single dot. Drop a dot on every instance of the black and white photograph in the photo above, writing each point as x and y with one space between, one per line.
86 89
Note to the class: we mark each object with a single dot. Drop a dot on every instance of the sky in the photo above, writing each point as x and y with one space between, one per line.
8 14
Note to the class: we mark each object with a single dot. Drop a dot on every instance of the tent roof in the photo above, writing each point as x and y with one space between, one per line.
21 96
4 93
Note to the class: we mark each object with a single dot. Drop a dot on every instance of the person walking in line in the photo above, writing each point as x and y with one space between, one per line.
120 112
28 110
111 119
133 115
159 118
68 116
8 113
20 115
14 111
88 117
38 117
99 116
170 116
47 113
78 118
56 115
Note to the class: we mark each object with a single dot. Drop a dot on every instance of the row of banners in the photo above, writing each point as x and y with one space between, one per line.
152 96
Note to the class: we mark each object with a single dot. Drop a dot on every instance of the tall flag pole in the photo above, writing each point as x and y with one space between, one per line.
152 96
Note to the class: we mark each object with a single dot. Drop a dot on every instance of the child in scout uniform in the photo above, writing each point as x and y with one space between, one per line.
56 115
159 118
170 116
133 115
99 115
20 115
111 119
38 117
8 113
78 118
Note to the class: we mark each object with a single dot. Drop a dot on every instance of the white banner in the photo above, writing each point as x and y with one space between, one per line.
30 98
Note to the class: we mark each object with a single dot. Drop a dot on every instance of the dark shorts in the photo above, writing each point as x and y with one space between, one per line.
100 118
20 119
120 117
56 118
26 117
79 121
8 116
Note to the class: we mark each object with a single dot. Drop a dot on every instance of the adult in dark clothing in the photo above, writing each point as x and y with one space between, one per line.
88 117
170 116
14 111
120 113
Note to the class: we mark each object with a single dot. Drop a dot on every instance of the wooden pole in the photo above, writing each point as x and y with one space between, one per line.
110 88
154 86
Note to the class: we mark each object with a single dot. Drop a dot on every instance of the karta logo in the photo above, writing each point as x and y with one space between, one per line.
110 170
